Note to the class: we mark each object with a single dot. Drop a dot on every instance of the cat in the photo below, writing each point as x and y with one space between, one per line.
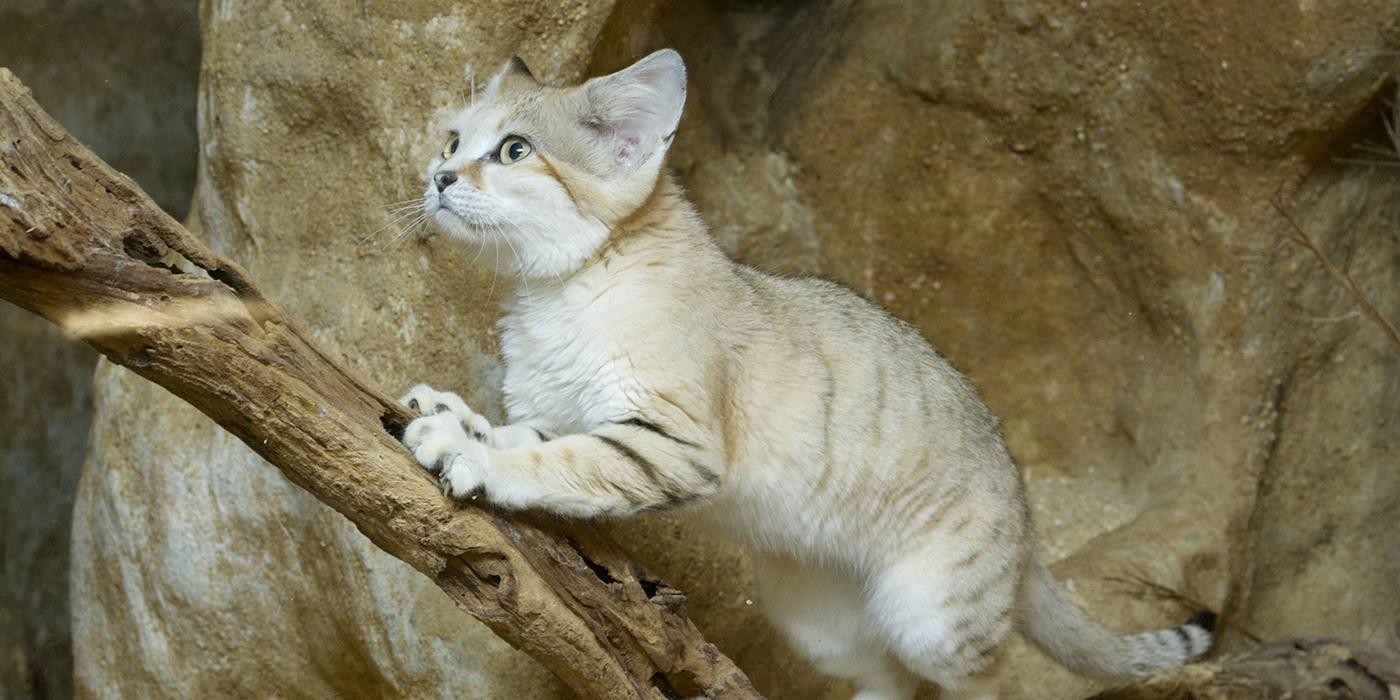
646 371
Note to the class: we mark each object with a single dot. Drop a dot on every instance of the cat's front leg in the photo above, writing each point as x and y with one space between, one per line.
619 468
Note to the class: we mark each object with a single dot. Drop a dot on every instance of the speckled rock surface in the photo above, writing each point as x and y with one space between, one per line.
132 102
1071 199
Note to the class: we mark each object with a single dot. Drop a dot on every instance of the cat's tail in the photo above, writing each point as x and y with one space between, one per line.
1068 635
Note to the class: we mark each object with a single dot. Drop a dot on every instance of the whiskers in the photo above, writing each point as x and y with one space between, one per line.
404 219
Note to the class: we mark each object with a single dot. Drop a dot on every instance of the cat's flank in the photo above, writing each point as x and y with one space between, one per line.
647 371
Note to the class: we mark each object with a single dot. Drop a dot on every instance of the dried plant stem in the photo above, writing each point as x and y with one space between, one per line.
1146 587
1342 278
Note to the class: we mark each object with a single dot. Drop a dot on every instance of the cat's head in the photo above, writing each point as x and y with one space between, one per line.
543 173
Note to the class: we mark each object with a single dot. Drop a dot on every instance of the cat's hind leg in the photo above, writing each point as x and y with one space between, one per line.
949 624
821 614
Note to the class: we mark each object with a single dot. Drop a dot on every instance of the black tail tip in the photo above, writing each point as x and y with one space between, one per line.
1204 619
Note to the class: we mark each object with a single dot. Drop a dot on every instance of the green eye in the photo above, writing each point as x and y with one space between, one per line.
450 147
513 150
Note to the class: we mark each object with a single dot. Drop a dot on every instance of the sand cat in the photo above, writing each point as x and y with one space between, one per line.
647 371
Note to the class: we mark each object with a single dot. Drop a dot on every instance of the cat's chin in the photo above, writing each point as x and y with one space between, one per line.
453 224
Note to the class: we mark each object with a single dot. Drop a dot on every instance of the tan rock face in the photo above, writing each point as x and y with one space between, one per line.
1071 199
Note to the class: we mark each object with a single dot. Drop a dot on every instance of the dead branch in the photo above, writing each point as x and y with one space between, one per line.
82 246
1140 586
1285 670
1301 238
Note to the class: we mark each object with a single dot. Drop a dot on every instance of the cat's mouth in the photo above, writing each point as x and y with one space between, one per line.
453 222
444 215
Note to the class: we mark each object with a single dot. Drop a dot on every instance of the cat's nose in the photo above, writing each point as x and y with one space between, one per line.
444 178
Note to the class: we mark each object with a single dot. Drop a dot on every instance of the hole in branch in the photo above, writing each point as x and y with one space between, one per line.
658 681
394 424
598 569
482 576
142 247
225 276
677 685
141 358
146 248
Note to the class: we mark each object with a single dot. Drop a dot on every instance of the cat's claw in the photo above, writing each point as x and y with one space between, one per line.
442 447
462 477
427 401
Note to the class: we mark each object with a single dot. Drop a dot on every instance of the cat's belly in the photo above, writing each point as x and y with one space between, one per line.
808 527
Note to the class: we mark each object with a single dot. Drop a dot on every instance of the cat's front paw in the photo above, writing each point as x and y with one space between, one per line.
427 401
442 446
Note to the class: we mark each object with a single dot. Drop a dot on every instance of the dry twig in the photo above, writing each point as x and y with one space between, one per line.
1342 278
1144 587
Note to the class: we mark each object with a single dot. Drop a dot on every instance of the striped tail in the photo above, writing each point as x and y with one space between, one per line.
1069 636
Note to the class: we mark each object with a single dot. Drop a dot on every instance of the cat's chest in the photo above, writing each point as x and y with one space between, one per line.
565 362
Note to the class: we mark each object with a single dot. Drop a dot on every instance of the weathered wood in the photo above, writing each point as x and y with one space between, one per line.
82 246
1302 669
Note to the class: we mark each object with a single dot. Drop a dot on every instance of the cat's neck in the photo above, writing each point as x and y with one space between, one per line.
662 228
665 211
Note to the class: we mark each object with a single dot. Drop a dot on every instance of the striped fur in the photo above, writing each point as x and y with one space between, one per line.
646 371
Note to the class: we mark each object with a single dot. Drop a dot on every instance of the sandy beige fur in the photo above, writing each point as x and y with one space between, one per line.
646 370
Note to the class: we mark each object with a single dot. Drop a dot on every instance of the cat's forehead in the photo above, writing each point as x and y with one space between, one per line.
488 114
482 116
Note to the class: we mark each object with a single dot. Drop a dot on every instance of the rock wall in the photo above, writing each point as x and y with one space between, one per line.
95 66
1071 199
46 382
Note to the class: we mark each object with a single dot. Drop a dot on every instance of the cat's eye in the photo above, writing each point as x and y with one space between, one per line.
450 147
513 150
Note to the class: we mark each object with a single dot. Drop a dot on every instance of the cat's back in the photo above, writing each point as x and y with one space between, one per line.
846 327
838 397
882 378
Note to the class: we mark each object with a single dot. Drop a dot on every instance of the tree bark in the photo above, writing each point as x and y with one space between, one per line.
1304 669
82 246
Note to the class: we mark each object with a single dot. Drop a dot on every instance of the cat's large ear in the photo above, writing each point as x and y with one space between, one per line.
513 72
637 108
